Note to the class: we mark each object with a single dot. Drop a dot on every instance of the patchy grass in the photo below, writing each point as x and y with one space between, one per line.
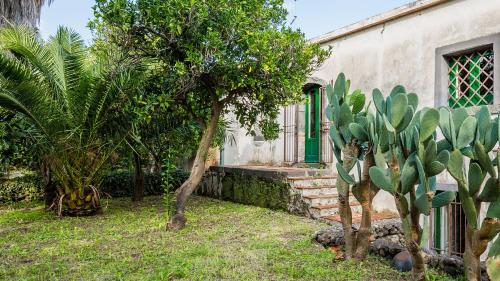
223 241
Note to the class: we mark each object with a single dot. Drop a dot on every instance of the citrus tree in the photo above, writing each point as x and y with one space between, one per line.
214 56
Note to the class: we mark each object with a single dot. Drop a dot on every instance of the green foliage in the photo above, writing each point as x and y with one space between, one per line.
29 187
202 61
21 188
67 95
17 142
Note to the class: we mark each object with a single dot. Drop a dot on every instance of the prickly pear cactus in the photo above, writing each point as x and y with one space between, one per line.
471 140
408 159
351 135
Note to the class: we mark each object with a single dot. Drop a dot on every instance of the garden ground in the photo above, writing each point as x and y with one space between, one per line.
223 241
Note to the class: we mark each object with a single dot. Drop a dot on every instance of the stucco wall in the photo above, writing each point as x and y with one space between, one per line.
403 52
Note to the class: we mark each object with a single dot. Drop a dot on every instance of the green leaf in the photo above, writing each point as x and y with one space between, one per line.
378 100
466 132
406 120
388 125
475 178
379 177
443 199
357 101
458 116
345 115
358 132
335 137
412 100
398 109
494 210
443 157
491 138
329 93
345 175
484 159
409 176
430 152
428 123
483 121
456 164
491 190
339 87
329 113
434 168
398 90
423 204
444 123
493 261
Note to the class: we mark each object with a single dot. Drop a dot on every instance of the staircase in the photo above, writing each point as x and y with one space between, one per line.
320 195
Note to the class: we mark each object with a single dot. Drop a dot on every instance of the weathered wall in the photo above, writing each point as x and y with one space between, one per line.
244 150
261 188
403 52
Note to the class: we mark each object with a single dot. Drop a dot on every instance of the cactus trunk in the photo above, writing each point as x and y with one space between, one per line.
365 198
350 152
471 261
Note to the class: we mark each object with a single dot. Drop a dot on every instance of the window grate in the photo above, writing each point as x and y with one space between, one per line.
471 79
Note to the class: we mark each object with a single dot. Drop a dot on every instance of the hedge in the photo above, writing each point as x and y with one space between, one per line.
115 184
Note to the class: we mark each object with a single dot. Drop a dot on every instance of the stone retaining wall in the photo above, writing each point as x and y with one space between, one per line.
389 241
262 188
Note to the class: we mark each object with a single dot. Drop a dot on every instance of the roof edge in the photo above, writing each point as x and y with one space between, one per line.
394 14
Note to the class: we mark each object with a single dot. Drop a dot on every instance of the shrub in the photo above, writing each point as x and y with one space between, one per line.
26 187
116 184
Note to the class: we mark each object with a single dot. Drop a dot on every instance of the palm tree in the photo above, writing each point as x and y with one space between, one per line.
21 11
68 94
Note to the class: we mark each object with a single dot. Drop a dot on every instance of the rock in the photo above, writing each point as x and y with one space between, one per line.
402 261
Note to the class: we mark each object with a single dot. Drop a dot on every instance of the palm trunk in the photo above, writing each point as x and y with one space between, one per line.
366 198
178 221
350 152
138 179
79 201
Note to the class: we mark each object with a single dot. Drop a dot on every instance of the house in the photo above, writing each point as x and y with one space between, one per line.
446 51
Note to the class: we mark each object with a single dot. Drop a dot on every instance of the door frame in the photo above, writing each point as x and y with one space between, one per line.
313 144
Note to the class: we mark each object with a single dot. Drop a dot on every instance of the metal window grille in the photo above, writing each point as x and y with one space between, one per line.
291 134
471 79
325 147
448 229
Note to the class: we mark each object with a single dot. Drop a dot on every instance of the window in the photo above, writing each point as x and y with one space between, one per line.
471 78
312 114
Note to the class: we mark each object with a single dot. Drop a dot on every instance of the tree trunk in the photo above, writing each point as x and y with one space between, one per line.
138 179
366 197
350 152
413 241
49 187
418 270
178 221
471 261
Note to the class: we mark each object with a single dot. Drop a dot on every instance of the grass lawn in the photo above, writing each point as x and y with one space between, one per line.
223 241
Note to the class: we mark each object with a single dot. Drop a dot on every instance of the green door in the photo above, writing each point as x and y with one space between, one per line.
312 126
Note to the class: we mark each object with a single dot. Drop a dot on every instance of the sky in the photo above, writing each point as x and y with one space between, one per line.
313 17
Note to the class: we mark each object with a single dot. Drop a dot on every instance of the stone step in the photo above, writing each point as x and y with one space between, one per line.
315 190
356 218
325 199
319 211
310 181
